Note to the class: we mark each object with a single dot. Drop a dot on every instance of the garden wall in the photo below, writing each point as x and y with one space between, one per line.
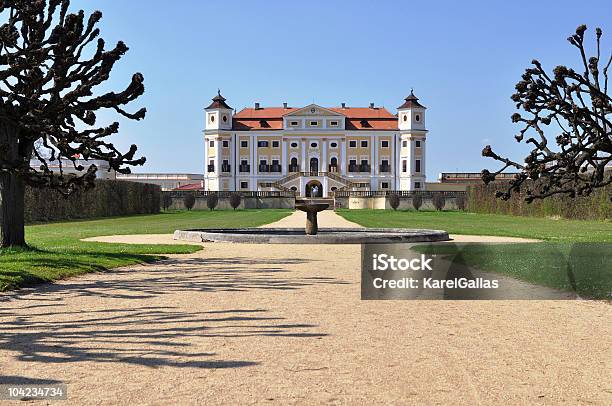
108 198
250 200
380 200
481 199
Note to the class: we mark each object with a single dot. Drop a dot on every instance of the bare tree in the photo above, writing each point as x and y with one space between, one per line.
50 64
577 108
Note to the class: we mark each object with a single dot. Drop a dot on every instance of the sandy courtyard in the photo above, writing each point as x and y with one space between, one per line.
249 324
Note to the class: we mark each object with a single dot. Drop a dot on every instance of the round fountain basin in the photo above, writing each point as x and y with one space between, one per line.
299 236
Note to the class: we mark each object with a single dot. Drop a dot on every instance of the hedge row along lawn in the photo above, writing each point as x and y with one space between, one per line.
57 252
574 255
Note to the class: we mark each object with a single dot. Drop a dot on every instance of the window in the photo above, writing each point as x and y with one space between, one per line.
275 144
417 118
294 145
275 162
364 144
313 145
293 188
352 144
333 189
244 162
225 162
314 123
334 145
294 124
263 162
404 143
417 144
405 117
384 144
384 162
333 123
244 144
384 185
262 144
244 185
417 166
404 165
417 185
211 144
224 118
212 118
225 144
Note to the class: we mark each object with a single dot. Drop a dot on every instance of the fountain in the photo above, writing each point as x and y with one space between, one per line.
311 234
311 208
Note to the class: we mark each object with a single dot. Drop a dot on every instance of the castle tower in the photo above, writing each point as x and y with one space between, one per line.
218 145
411 123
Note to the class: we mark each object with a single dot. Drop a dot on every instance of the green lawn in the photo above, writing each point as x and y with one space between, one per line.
575 255
486 224
57 251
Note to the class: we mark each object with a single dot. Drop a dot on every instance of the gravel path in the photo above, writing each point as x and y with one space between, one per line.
284 324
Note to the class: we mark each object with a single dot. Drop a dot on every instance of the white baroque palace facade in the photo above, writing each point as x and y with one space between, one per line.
338 148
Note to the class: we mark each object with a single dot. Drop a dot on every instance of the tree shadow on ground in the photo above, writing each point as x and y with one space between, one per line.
37 326
148 336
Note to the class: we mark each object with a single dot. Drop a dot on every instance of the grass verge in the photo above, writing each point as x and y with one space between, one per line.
575 255
56 251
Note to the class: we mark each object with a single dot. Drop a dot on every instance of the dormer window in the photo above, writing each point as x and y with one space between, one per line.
333 123
293 123
264 124
364 123
314 123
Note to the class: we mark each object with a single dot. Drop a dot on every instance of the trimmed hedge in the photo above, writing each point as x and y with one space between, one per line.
108 198
597 206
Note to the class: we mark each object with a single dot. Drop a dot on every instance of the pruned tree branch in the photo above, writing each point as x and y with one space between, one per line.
575 106
47 93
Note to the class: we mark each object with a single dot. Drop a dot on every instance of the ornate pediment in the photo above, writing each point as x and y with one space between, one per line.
313 110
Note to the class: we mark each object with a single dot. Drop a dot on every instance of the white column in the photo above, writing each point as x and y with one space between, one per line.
206 163
324 158
423 162
325 186
253 157
233 160
343 158
398 162
303 163
284 158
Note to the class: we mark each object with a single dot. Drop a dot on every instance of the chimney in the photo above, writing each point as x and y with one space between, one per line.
343 105
371 105
285 105
256 106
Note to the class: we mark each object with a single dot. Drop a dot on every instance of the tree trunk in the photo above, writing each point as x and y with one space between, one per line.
12 193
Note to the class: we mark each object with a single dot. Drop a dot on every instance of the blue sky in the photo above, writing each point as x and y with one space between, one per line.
461 58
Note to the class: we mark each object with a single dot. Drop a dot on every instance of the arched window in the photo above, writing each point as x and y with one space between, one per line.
417 118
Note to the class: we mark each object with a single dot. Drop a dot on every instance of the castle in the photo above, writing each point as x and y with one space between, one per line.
313 150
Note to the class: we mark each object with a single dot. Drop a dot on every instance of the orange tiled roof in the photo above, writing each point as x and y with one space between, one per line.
190 186
270 118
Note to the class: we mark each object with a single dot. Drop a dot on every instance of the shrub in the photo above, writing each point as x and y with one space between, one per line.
417 202
235 200
166 201
394 201
189 201
212 200
439 202
461 202
107 198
